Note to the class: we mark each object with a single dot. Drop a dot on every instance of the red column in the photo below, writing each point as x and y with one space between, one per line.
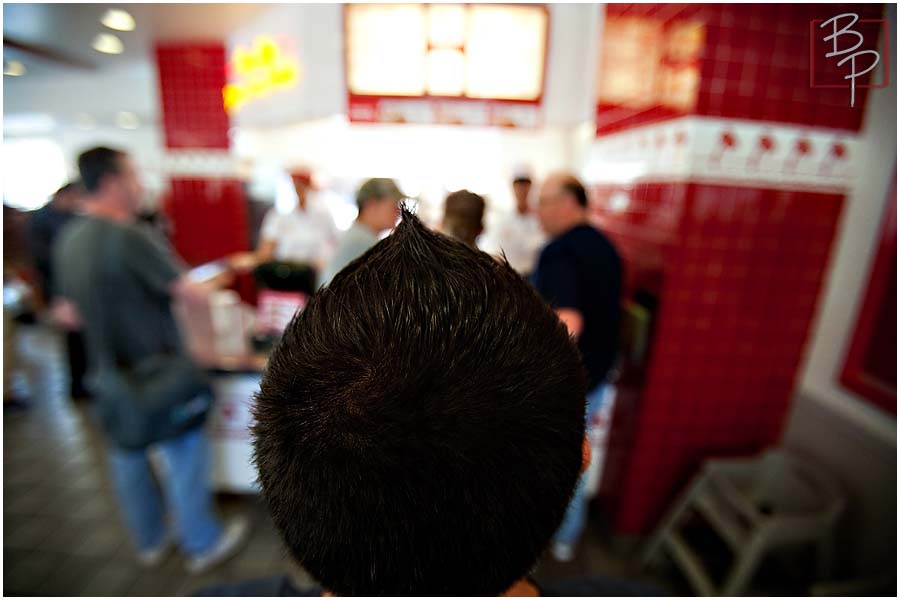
734 254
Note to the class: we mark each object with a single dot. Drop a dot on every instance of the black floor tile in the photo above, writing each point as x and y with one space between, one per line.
113 578
30 534
71 577
28 574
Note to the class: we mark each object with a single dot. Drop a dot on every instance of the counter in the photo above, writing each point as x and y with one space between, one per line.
217 335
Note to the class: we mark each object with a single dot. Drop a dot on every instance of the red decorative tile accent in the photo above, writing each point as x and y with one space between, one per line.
209 218
191 78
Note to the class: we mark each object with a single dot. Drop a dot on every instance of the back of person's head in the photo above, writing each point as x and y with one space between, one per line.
419 427
377 189
68 197
572 186
562 203
464 216
302 176
97 163
70 188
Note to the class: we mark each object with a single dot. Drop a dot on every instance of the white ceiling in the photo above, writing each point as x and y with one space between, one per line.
128 82
53 94
70 28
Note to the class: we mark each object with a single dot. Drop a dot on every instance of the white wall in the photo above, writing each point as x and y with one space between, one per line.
841 431
313 35
852 256
132 87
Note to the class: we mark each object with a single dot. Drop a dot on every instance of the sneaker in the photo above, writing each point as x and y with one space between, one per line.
154 556
563 552
232 539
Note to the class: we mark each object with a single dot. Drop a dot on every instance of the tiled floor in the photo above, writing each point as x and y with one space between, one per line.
61 530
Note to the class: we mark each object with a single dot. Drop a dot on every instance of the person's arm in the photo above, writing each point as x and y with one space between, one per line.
63 311
36 237
200 282
65 314
161 273
265 252
268 236
572 319
558 284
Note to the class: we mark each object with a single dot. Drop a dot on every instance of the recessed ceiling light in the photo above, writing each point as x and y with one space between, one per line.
118 19
25 124
127 120
107 43
85 121
13 68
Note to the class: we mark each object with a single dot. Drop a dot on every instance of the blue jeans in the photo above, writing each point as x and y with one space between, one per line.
184 481
576 515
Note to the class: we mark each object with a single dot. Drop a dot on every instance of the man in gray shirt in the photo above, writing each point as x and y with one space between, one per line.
115 280
378 200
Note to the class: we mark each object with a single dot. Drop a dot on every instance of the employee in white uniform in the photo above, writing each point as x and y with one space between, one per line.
518 234
307 234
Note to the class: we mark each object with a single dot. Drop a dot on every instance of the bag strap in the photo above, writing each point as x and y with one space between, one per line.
110 245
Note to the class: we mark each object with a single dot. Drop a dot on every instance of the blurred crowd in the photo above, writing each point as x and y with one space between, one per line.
94 265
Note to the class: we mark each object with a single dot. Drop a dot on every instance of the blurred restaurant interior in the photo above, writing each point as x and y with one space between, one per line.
751 197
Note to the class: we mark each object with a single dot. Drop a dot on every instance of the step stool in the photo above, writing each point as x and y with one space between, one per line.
755 505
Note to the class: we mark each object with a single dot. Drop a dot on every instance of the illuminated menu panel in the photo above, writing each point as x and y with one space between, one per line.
505 52
386 49
667 56
485 52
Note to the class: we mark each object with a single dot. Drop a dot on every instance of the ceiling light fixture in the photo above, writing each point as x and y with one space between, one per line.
127 120
85 121
107 43
28 124
118 19
13 68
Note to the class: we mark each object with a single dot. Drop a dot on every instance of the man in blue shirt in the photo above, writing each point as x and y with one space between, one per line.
580 274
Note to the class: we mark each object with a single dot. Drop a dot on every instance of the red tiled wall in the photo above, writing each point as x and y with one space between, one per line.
738 273
209 218
644 231
191 78
756 65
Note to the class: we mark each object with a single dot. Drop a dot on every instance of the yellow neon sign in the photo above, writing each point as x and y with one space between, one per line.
261 69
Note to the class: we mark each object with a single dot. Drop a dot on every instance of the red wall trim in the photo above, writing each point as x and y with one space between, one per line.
874 332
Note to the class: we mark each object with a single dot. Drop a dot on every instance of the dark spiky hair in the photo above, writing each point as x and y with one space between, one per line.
419 426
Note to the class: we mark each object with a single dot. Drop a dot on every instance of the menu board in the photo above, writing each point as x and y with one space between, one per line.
666 54
417 63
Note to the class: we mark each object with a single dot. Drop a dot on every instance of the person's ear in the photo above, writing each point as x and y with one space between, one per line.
585 453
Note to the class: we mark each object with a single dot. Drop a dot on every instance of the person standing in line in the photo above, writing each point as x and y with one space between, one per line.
44 226
116 282
306 235
518 234
579 273
464 217
378 202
